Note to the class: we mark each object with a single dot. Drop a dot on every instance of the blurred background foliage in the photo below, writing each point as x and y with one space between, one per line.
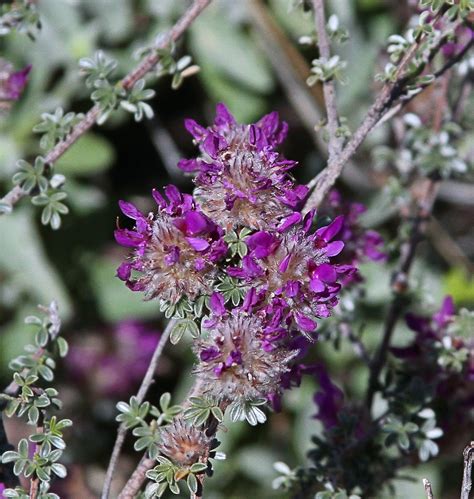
125 160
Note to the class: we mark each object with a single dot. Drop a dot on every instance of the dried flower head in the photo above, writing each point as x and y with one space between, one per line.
242 180
185 445
175 250
295 271
233 365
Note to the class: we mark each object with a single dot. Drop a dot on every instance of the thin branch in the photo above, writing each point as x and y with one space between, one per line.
35 481
426 198
329 86
141 394
166 148
390 92
428 489
359 348
447 247
468 456
290 68
127 83
138 477
437 74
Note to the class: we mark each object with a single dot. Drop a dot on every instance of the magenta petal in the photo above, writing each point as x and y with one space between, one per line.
289 221
196 130
251 267
316 285
195 222
326 273
327 233
124 271
261 244
223 115
159 199
305 323
334 248
173 194
128 238
216 303
197 243
130 210
283 267
189 165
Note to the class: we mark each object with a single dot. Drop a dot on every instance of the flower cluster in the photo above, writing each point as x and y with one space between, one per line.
241 180
175 251
255 274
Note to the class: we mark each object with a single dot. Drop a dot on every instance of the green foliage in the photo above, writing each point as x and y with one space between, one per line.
53 208
201 409
55 127
232 290
134 415
236 242
31 177
26 395
134 103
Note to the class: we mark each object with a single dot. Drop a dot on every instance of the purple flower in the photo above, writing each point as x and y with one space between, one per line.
241 180
295 272
233 365
330 399
12 83
174 251
100 360
360 244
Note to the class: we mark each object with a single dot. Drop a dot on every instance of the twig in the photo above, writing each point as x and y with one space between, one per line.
127 83
137 478
290 68
35 481
428 489
426 198
390 92
329 87
146 383
447 247
359 348
165 147
468 456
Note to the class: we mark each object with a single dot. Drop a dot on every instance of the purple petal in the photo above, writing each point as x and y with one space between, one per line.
173 194
195 222
128 238
216 304
223 116
196 130
262 244
130 210
189 165
334 248
197 243
327 233
289 221
326 273
305 323
316 285
124 271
